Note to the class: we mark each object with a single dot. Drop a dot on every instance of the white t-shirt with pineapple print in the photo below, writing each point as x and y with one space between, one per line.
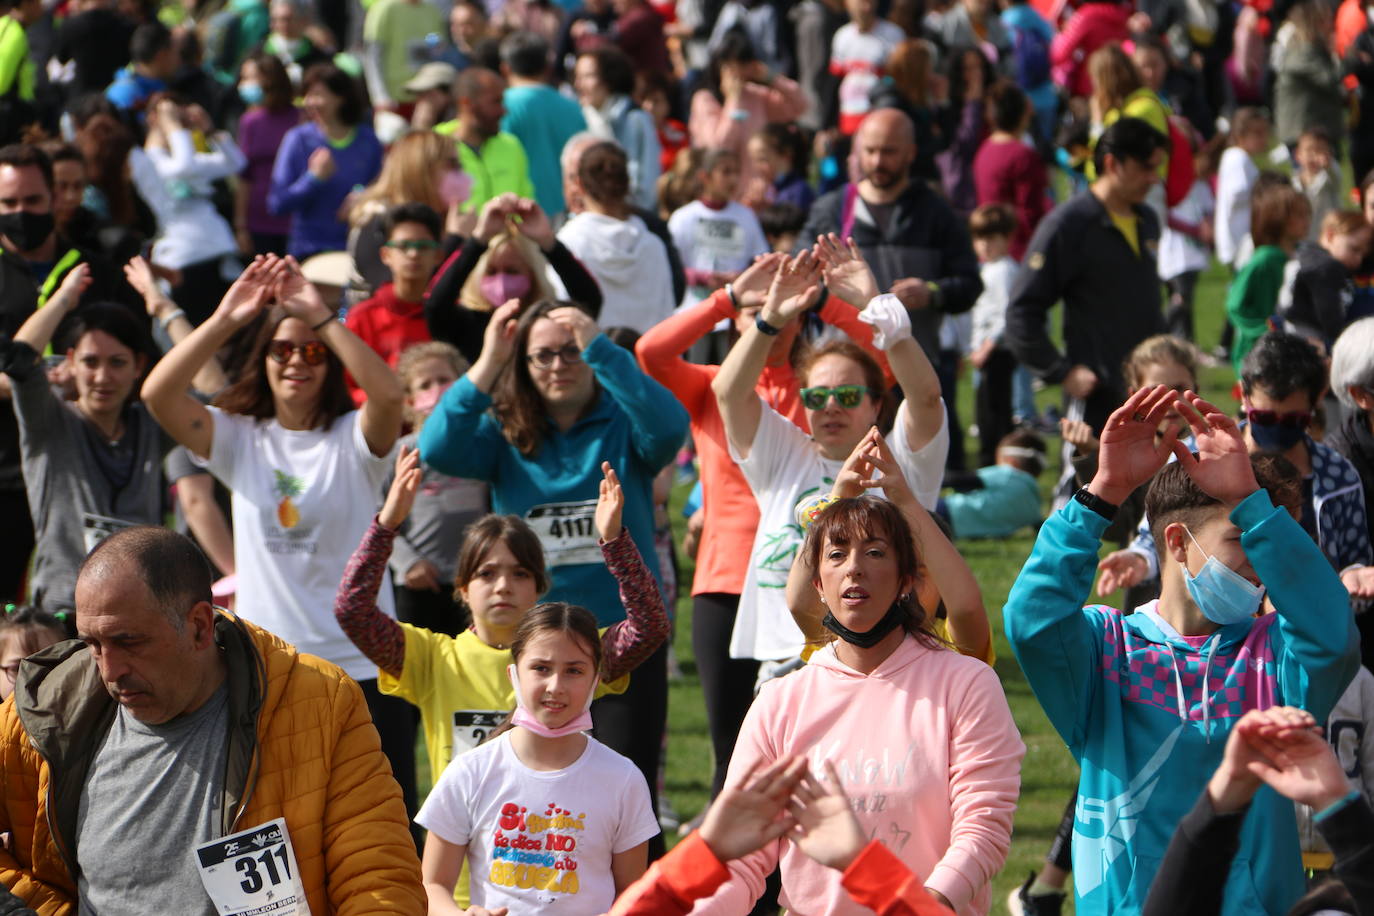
302 500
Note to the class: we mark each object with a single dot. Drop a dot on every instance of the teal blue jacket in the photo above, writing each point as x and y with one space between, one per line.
1146 712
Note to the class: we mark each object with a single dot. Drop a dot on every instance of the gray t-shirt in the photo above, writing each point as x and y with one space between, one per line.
152 795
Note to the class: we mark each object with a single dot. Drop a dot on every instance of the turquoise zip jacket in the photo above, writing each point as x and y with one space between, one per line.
1146 711
635 423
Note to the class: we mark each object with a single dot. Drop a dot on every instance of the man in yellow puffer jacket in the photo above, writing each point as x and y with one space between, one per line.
170 725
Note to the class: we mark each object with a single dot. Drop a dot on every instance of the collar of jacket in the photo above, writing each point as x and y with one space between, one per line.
66 712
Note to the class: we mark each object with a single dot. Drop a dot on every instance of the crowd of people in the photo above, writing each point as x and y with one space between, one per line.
352 354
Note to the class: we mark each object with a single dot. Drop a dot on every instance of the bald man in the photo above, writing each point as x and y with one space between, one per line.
918 249
177 759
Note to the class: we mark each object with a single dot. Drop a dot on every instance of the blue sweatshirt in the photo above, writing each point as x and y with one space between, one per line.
313 205
636 424
1111 685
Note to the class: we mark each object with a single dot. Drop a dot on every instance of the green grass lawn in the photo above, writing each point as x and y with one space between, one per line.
1048 774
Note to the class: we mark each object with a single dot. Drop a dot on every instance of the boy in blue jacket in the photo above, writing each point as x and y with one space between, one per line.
1146 700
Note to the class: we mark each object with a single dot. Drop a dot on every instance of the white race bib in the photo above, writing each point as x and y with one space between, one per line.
471 727
253 872
567 531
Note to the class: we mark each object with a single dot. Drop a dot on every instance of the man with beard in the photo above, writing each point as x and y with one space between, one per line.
917 247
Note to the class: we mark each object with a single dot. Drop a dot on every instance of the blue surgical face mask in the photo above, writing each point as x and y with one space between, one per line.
1276 438
1223 595
251 93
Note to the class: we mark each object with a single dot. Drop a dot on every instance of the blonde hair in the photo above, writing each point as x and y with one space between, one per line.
409 363
1113 75
470 296
1160 350
407 176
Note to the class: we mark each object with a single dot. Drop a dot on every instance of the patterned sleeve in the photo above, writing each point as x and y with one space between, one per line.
379 637
626 644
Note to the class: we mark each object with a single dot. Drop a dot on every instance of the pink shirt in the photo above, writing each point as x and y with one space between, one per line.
928 753
715 125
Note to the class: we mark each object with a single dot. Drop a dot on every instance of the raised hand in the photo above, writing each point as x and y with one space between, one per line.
609 504
401 497
249 294
1293 758
76 282
796 281
1130 452
1120 569
139 274
752 813
491 222
296 294
1079 435
847 274
827 830
1258 744
498 341
856 471
582 325
1222 467
751 286
534 223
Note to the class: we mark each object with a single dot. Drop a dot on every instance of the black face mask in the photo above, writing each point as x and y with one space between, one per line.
25 230
891 621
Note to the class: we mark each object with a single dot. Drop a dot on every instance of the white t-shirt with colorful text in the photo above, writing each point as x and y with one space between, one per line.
540 841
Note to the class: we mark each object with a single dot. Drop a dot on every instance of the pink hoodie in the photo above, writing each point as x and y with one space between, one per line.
929 754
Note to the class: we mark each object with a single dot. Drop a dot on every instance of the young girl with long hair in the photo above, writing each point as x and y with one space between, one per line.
543 814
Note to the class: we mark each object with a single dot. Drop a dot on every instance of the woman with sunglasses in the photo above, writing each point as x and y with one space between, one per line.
304 467
842 392
547 401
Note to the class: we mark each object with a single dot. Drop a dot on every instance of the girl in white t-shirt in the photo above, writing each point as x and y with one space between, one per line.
545 817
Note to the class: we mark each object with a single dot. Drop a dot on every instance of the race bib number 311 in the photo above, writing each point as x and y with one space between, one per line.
253 872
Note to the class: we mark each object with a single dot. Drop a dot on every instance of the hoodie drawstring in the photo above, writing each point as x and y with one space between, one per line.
1206 689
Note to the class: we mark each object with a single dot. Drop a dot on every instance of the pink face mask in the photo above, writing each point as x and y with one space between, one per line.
526 719
498 288
455 187
427 400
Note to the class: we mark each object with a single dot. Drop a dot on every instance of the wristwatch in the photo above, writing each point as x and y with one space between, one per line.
1096 503
764 326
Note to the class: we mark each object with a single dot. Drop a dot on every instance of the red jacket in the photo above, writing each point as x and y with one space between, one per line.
876 879
387 325
1092 26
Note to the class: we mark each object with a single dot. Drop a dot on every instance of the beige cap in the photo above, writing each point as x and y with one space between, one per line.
434 75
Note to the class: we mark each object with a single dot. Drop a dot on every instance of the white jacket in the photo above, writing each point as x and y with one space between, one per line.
630 264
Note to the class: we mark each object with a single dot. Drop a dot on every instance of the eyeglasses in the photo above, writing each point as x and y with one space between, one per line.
413 246
848 396
312 351
1293 419
543 359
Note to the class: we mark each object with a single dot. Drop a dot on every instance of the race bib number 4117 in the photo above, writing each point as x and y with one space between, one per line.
253 872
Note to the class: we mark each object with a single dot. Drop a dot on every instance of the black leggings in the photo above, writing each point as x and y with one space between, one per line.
1060 854
727 684
396 722
632 724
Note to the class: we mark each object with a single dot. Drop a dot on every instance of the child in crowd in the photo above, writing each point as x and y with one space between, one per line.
992 227
782 224
779 154
1236 177
394 318
654 93
1185 243
24 631
425 553
857 53
1323 290
716 235
1279 217
1316 176
1115 684
542 814
1005 496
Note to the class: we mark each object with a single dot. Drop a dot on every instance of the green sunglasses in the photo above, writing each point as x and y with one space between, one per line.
848 396
409 246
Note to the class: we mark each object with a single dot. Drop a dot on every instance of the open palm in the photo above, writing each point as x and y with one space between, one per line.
795 284
1130 453
248 295
847 274
1222 467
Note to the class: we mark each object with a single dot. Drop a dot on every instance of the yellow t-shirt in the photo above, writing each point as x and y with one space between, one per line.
1130 228
940 628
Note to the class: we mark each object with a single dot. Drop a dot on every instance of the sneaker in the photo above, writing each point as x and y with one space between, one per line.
1021 903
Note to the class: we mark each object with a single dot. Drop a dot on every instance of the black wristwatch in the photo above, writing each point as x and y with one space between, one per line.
1096 503
764 326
